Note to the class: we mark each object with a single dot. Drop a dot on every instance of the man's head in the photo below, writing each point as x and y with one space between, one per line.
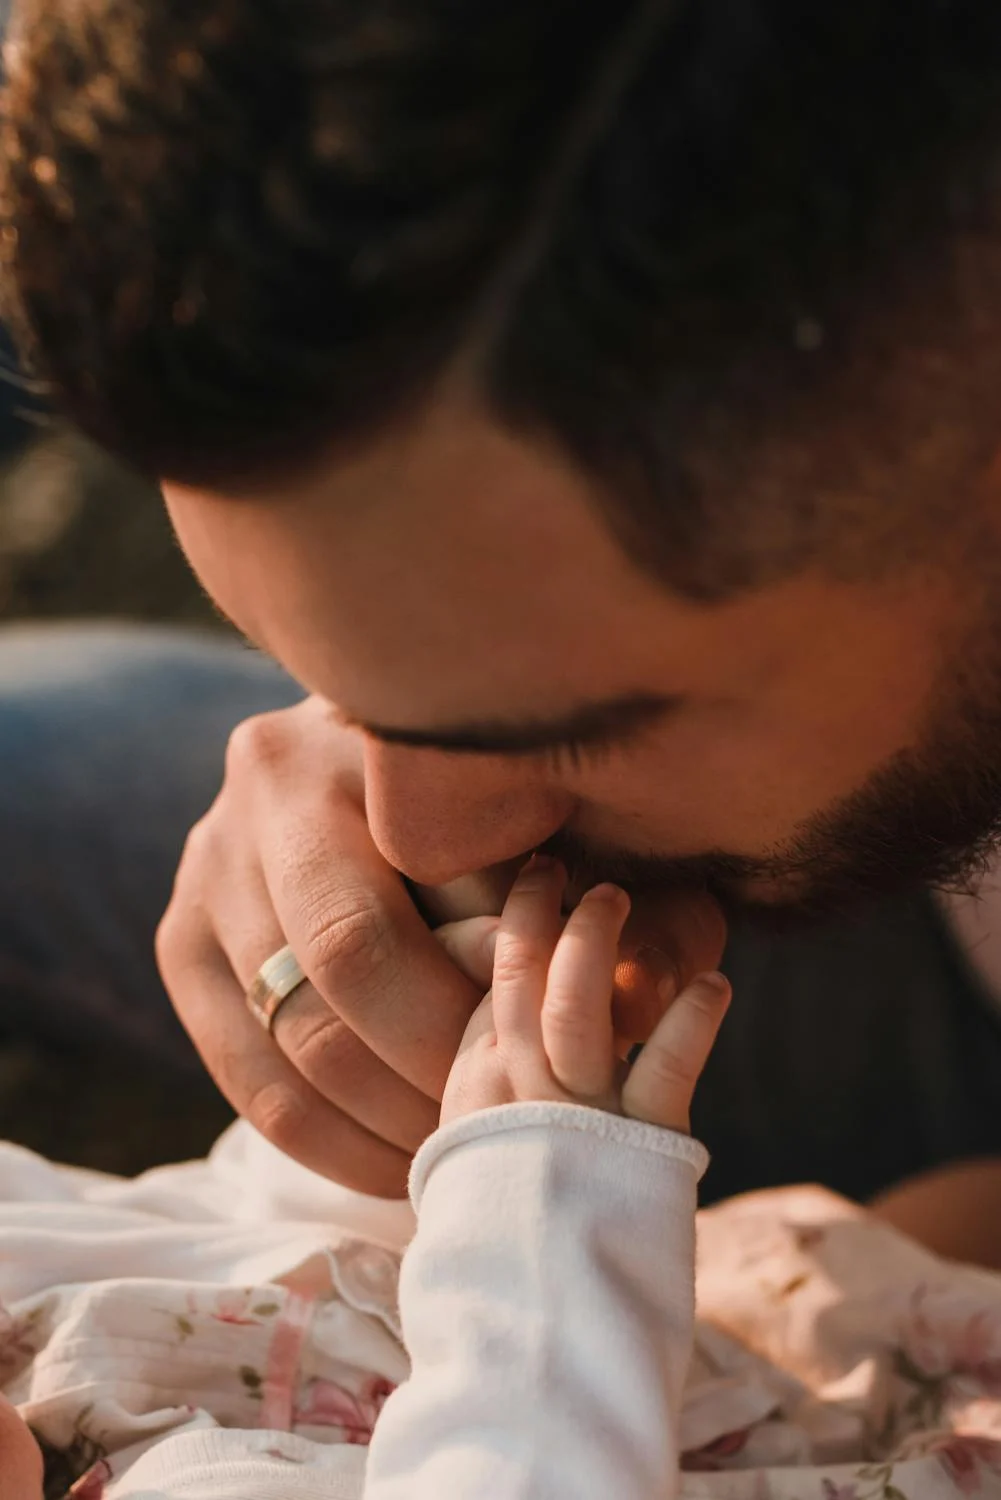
526 376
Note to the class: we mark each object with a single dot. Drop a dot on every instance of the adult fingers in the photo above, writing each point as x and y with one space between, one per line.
332 1061
341 1068
268 1090
337 1063
350 921
284 855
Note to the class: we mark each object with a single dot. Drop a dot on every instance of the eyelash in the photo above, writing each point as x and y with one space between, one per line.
579 755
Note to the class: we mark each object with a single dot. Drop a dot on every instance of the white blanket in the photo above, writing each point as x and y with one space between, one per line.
235 1330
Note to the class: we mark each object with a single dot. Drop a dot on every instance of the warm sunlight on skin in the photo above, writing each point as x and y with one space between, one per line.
20 1460
453 586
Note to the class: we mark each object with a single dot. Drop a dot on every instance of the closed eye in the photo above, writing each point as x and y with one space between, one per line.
574 755
592 732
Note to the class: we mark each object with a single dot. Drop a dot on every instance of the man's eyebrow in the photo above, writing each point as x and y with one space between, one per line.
590 724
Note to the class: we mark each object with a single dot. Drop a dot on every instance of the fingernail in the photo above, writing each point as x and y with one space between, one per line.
718 983
606 892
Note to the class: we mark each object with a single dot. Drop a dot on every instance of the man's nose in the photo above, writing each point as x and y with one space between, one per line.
436 817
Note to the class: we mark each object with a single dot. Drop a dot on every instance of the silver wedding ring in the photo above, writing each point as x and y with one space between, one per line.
277 978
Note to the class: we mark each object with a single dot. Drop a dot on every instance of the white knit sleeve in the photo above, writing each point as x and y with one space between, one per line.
547 1303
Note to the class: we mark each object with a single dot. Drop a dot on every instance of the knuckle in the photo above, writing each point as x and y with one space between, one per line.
257 744
286 1117
668 1069
175 945
563 1019
164 942
198 849
518 962
279 1112
320 1044
349 943
174 930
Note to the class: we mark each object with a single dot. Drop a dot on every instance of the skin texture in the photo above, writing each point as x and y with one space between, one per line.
20 1460
793 696
545 1029
453 583
955 1211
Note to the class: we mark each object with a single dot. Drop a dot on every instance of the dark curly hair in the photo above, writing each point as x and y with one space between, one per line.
239 233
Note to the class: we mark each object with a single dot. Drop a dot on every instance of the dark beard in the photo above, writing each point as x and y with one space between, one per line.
931 817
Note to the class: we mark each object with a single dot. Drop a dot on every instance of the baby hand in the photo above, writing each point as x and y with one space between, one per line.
544 1032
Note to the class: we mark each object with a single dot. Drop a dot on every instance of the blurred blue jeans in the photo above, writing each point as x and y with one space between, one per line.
111 746
854 1054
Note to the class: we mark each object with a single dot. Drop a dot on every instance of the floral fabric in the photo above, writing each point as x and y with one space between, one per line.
833 1360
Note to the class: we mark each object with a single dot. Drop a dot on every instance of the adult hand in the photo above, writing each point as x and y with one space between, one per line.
350 1081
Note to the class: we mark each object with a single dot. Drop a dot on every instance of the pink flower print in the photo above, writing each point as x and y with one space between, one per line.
282 1456
714 1455
961 1466
951 1333
324 1404
965 1458
16 1347
90 1486
234 1307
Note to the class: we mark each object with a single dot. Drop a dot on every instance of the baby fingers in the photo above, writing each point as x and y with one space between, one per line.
662 1081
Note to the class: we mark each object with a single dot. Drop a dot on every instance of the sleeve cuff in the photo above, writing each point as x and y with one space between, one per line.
510 1118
